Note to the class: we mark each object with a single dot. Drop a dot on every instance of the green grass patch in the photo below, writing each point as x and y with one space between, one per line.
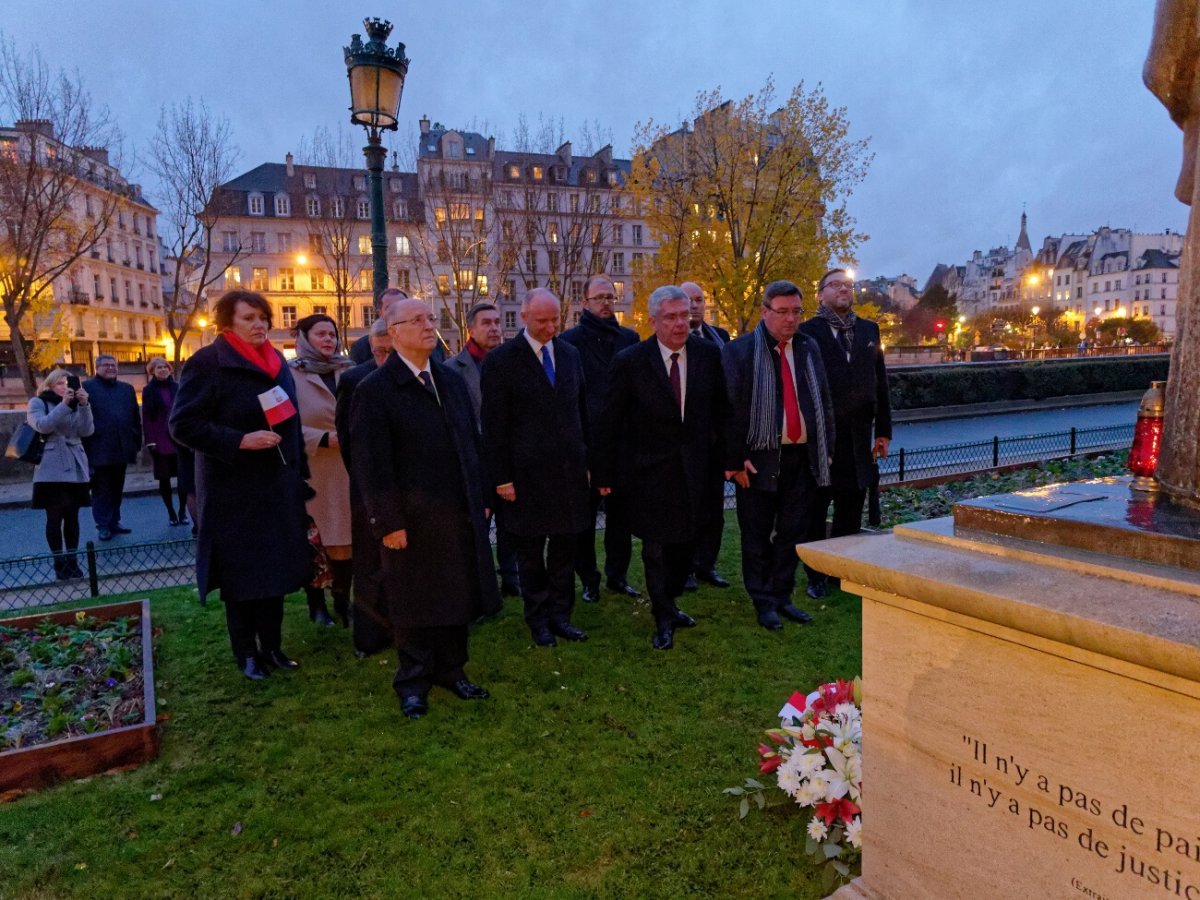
595 769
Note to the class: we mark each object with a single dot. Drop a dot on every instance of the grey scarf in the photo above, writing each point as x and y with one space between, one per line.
764 403
843 326
309 360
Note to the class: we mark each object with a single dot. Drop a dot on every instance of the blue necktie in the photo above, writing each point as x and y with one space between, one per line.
548 363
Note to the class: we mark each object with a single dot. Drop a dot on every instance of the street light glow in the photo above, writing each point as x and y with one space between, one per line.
301 259
1035 310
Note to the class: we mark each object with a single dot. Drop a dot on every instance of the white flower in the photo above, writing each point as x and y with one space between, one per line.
854 831
809 763
846 779
788 779
817 830
845 711
818 788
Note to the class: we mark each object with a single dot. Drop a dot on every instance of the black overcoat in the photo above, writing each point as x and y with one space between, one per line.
861 408
253 530
598 343
118 435
416 466
660 464
535 437
738 359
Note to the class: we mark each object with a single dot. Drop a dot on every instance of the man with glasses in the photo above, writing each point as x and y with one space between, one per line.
599 337
853 355
778 448
113 445
417 466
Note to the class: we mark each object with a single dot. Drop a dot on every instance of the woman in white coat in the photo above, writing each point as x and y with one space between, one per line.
60 481
317 366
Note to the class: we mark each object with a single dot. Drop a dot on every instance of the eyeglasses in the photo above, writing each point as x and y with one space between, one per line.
838 285
790 312
416 320
607 298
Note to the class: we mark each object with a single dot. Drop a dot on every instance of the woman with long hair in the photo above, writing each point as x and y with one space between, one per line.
60 481
158 396
236 408
317 366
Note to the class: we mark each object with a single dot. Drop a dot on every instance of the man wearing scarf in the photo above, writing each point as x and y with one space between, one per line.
780 440
853 355
599 337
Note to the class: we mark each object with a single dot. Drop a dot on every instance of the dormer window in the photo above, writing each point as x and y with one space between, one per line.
512 171
395 185
364 208
591 176
256 204
360 182
537 172
283 205
312 206
310 180
454 149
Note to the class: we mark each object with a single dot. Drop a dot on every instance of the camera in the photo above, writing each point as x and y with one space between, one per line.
73 385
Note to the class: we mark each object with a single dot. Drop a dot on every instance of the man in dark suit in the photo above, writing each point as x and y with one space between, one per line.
372 628
114 444
708 540
360 350
853 355
661 436
416 459
484 336
599 337
778 449
535 437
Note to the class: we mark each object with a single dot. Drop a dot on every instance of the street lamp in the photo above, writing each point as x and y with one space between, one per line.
376 82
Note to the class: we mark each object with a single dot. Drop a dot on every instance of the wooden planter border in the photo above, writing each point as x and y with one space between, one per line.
30 768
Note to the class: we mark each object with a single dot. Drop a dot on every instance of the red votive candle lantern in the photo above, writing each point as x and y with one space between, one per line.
1147 438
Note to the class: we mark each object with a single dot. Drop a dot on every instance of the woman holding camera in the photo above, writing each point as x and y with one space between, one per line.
60 482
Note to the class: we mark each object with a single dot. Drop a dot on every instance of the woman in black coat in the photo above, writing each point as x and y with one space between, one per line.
236 408
158 396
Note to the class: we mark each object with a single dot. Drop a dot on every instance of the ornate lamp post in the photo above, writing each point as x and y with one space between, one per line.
376 82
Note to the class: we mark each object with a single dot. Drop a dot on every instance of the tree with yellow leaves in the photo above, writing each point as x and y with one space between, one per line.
749 193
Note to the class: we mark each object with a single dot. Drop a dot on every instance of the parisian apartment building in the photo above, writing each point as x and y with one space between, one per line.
473 223
1111 272
111 300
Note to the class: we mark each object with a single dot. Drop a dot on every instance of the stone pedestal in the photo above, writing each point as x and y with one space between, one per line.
1031 715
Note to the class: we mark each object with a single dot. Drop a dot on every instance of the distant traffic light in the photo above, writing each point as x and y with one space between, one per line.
939 325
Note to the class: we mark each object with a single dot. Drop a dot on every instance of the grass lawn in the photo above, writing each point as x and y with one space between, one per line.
595 769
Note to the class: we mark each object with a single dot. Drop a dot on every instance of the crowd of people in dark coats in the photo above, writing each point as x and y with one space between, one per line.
385 475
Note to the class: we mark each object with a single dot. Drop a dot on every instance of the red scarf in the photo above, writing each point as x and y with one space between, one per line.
264 356
477 352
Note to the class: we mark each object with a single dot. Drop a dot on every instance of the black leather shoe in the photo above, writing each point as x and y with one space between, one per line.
591 593
467 690
568 631
542 637
280 661
121 529
104 534
817 590
414 707
510 587
796 614
769 619
321 616
664 638
683 620
713 577
691 584
252 669
624 587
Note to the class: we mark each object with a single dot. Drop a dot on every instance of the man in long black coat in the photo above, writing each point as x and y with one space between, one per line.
661 436
534 432
853 355
372 627
599 337
113 445
415 456
778 448
708 541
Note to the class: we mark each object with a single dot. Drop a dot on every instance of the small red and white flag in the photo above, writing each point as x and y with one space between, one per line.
277 405
794 708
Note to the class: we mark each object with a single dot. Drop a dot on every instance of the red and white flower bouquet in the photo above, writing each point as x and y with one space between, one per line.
816 757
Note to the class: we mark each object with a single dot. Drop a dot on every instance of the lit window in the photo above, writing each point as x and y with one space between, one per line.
552 232
464 280
402 279
258 280
364 245
513 171
439 215
319 310
443 283
619 289
460 212
233 277
287 280
537 172
403 248
316 280
482 284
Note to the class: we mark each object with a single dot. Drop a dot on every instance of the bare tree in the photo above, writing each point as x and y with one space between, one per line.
192 154
58 193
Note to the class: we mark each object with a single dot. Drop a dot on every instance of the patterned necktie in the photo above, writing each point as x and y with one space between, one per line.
548 363
793 425
676 383
427 380
844 338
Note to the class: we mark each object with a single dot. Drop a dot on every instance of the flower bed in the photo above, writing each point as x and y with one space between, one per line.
77 696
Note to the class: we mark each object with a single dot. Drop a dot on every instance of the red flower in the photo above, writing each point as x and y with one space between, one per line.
836 809
769 760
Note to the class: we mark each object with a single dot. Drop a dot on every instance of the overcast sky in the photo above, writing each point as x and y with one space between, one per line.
974 109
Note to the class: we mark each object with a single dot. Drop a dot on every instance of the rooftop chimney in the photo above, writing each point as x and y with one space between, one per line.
424 123
291 170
